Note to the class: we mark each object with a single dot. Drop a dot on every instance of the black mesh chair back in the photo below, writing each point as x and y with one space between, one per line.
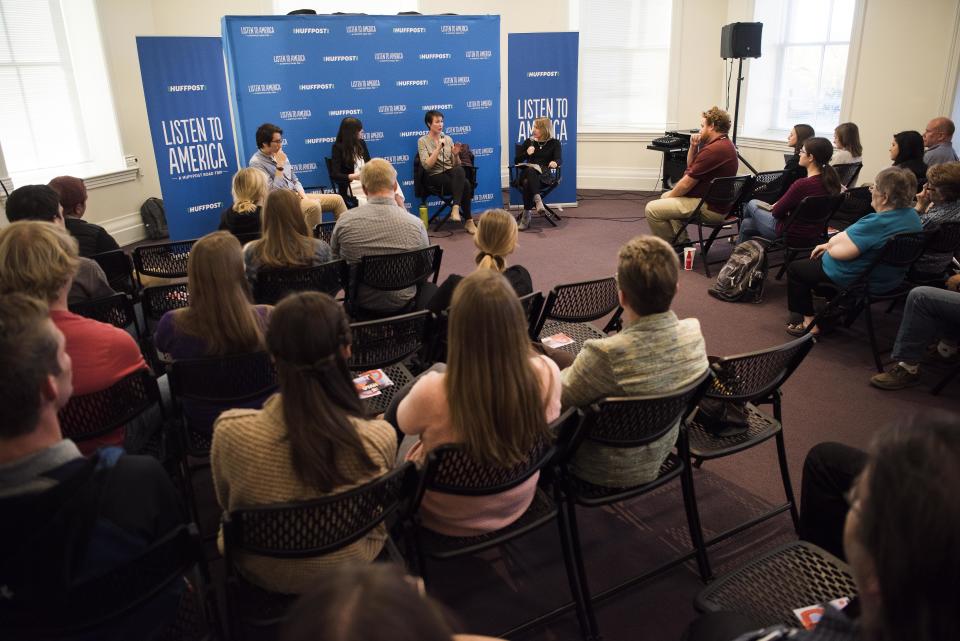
451 470
157 300
722 194
768 186
324 231
943 239
379 343
110 596
313 528
580 302
116 310
754 376
163 260
727 192
812 211
91 415
634 421
271 285
532 305
848 173
392 272
118 268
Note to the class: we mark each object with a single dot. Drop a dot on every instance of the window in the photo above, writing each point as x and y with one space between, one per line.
624 63
801 75
369 7
56 110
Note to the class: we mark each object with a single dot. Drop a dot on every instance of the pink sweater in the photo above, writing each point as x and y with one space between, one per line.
425 412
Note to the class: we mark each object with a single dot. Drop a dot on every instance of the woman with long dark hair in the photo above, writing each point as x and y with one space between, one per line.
495 397
766 221
308 441
347 157
792 169
906 152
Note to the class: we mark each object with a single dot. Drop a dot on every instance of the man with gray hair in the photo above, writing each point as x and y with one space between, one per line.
938 139
378 227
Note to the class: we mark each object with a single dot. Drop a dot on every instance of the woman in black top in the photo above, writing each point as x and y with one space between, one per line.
347 157
792 169
906 152
541 153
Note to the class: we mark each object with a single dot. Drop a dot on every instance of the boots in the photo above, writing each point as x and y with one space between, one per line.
538 201
524 223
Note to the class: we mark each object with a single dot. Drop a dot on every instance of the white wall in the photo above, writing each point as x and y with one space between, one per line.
905 73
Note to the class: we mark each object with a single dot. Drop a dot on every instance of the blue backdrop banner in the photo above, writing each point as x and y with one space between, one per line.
542 82
306 73
189 112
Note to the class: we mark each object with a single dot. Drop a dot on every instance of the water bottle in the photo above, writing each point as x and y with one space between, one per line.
424 218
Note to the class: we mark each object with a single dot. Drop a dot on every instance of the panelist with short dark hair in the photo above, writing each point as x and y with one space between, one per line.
271 160
711 155
441 161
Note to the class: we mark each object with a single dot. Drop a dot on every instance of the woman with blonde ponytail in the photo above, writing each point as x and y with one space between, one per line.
496 239
249 191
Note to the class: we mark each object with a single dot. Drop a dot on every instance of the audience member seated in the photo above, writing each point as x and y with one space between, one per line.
906 152
40 260
938 139
338 609
901 548
39 202
379 227
286 242
842 259
440 159
938 203
829 471
66 518
930 314
766 221
495 397
540 153
655 353
347 157
221 319
846 144
791 169
711 155
249 192
93 239
496 239
273 162
309 440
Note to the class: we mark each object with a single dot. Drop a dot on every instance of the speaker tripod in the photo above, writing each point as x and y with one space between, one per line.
736 116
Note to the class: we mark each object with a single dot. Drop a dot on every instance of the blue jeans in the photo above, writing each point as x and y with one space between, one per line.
930 313
757 222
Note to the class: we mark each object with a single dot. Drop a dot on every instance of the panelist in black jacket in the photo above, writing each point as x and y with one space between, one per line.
538 155
347 157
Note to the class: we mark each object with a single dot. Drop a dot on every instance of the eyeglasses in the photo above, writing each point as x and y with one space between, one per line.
276 142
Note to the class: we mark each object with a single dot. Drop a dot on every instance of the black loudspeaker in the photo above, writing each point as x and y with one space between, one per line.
740 40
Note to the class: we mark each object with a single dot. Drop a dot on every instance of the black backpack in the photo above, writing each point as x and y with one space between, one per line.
741 278
154 219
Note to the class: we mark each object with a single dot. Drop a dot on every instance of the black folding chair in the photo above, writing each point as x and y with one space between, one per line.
848 173
324 231
570 308
856 206
271 285
811 212
155 301
942 239
770 587
386 344
393 272
201 389
450 470
116 310
301 530
422 190
630 422
97 414
901 251
722 193
118 267
163 260
135 588
548 183
768 186
751 379
341 187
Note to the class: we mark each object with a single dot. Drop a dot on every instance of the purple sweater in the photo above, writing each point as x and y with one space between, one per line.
800 189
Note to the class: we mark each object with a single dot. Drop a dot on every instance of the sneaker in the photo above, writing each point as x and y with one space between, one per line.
897 377
470 226
455 214
524 223
538 202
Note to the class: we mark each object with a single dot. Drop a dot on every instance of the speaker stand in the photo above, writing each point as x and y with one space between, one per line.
736 117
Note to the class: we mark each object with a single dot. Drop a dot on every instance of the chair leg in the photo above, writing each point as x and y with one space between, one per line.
946 379
693 522
788 256
705 248
549 214
785 477
576 575
873 336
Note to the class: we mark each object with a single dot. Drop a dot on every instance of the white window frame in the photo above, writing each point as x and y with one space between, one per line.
775 139
645 134
96 173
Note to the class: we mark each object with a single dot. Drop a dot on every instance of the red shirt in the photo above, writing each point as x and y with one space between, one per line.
102 355
716 159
